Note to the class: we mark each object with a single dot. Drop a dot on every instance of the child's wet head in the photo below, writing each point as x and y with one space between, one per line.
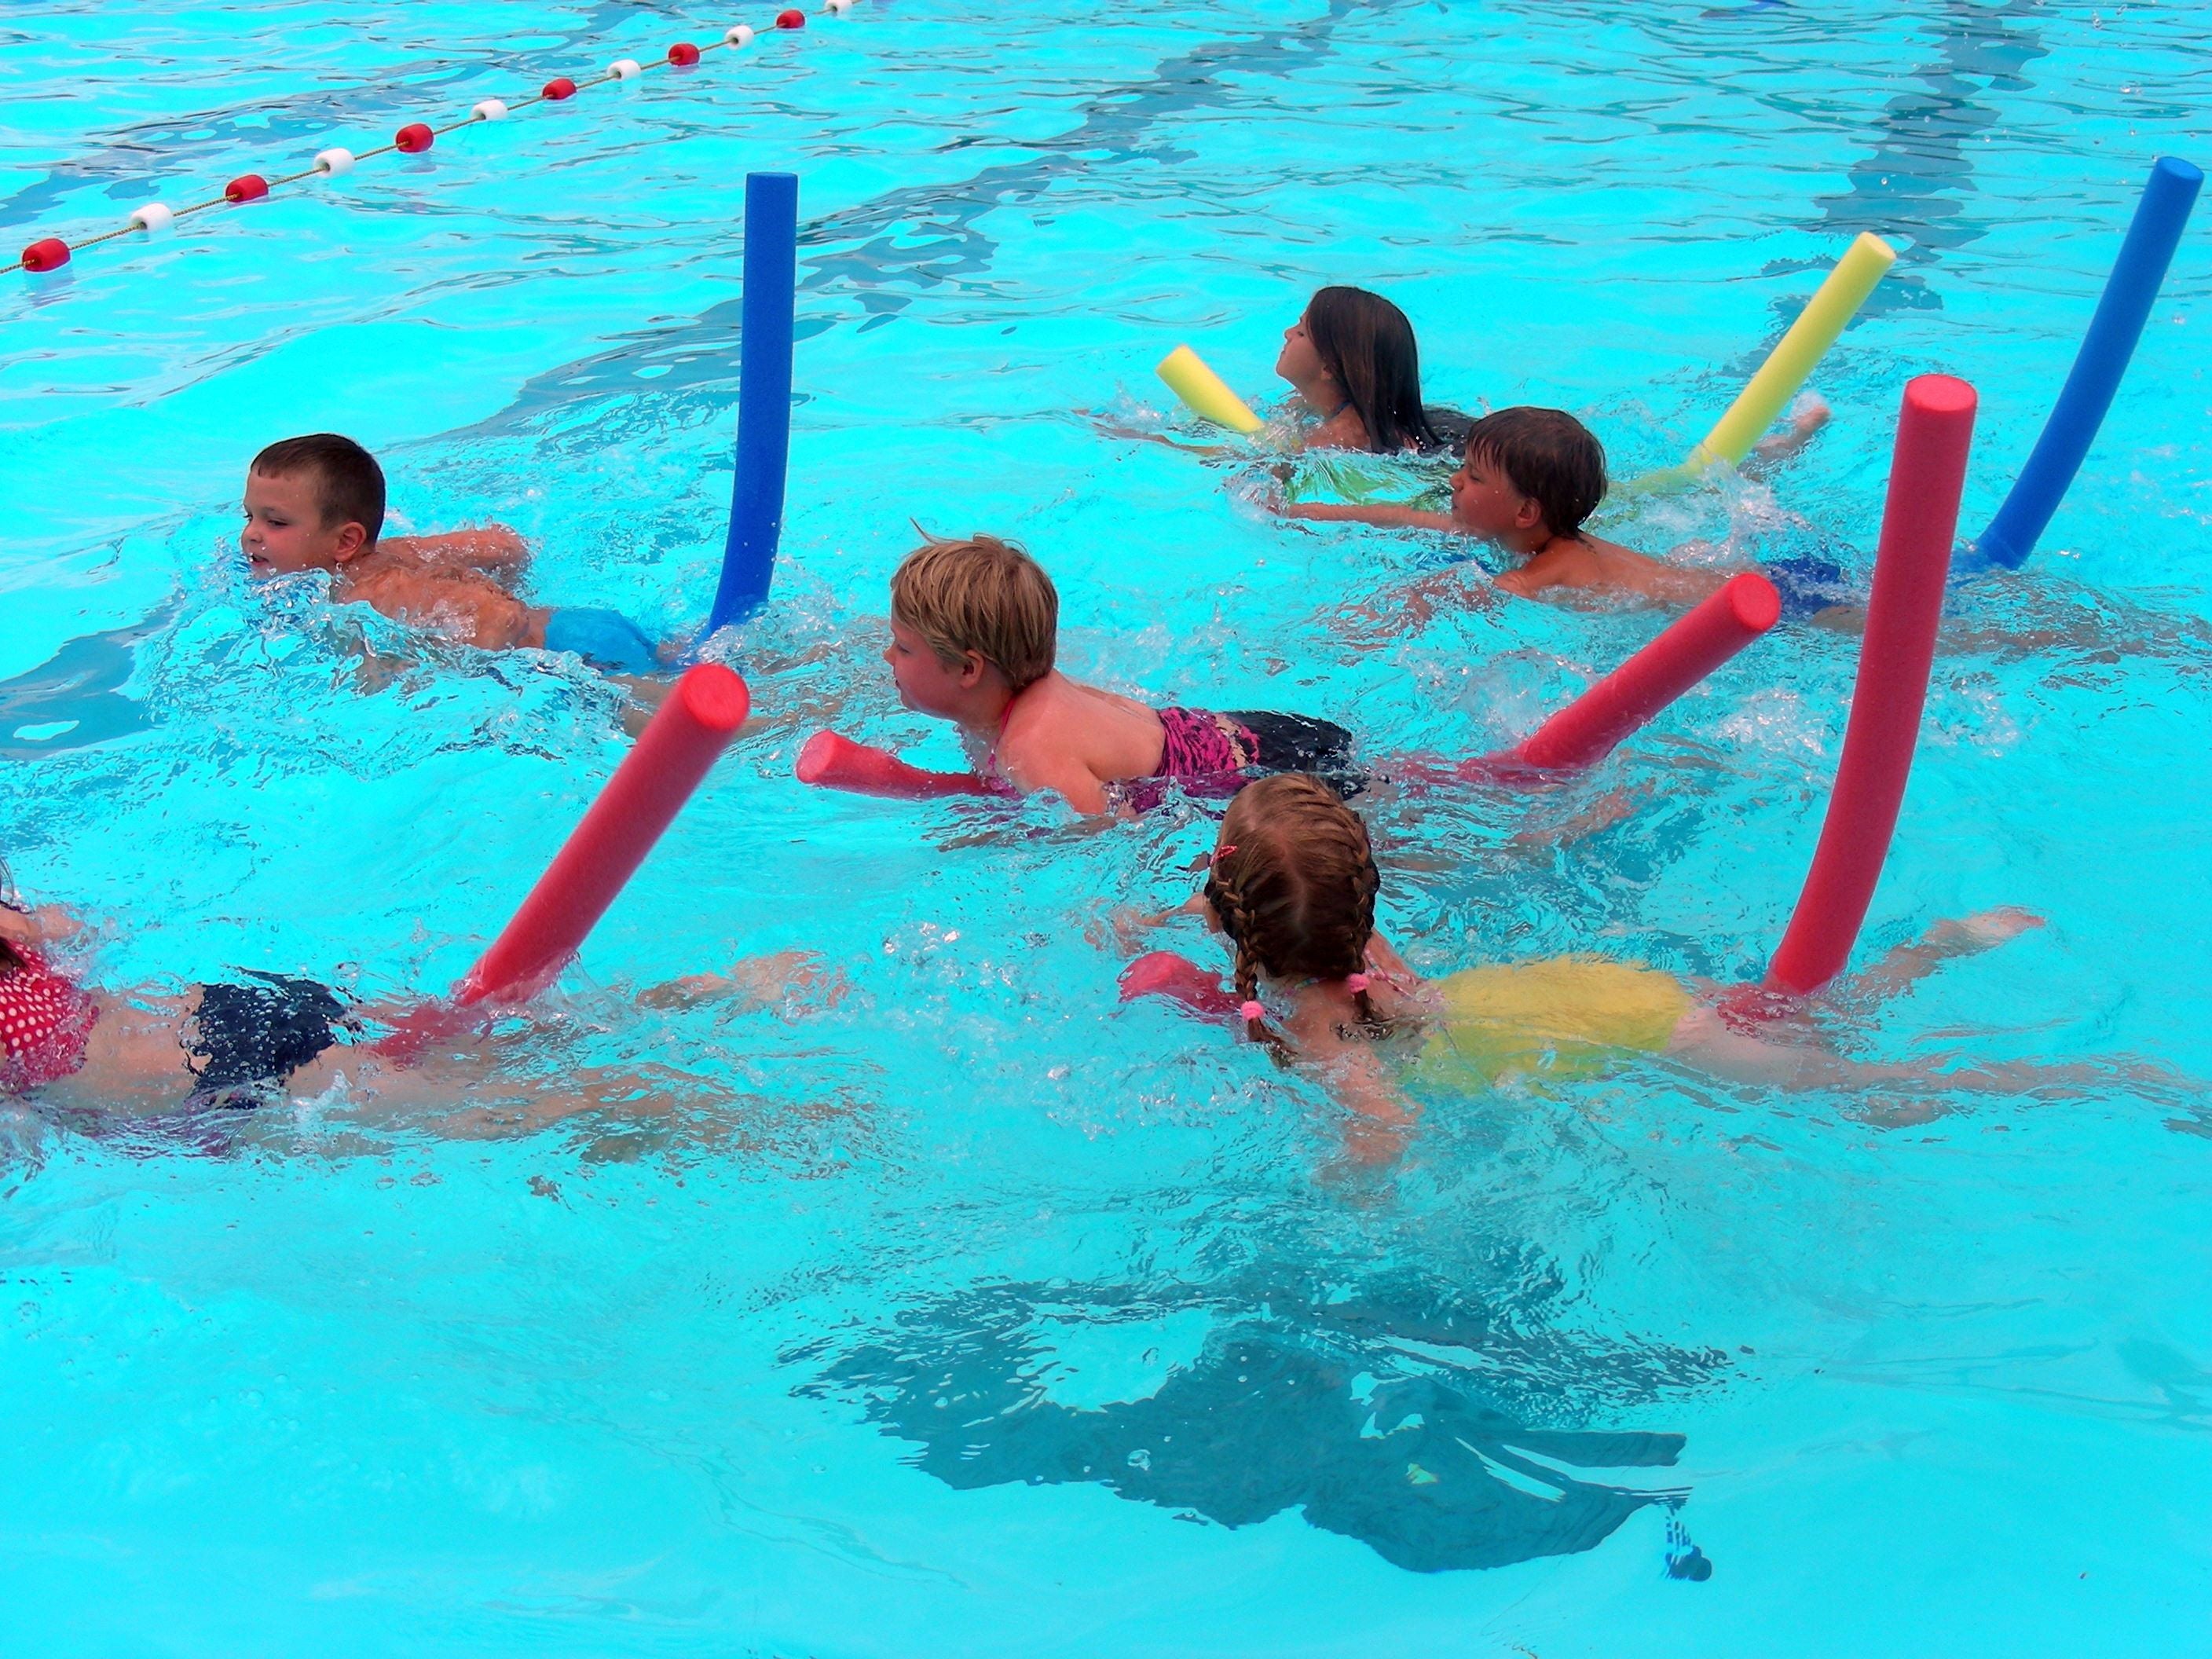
1528 469
311 503
1293 881
959 606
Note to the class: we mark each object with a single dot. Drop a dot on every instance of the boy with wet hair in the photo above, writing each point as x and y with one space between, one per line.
1530 478
316 503
975 628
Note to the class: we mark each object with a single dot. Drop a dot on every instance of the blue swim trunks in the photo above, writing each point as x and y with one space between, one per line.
605 639
1810 585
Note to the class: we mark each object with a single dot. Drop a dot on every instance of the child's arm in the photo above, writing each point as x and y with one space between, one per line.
1396 610
494 550
753 982
1126 927
1390 514
1114 427
40 924
1361 1082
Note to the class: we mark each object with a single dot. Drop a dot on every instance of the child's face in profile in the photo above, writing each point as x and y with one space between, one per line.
1483 501
284 530
925 684
1298 362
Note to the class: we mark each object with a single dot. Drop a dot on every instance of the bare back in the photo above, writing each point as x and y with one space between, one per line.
1059 734
440 595
1589 564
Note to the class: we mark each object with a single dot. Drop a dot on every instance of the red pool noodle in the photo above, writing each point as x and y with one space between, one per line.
1164 974
1587 729
836 761
641 801
1927 470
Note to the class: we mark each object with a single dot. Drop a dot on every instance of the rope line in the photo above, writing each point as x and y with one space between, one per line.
51 253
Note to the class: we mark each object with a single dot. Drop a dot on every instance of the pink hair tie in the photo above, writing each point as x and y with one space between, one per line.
1251 1012
1356 983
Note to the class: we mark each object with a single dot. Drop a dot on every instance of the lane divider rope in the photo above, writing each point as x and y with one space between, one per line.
51 253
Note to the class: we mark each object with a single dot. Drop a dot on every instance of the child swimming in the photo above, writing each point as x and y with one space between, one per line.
316 503
1353 361
1292 888
237 1045
1528 479
974 629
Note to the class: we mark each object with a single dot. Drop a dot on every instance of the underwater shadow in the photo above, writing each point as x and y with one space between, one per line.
1294 1403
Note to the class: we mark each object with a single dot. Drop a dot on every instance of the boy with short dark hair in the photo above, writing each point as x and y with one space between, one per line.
316 503
1529 479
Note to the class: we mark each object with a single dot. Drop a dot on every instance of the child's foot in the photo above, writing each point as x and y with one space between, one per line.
1983 931
1808 415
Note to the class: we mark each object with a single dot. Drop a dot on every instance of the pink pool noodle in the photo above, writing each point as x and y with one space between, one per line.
1927 470
838 762
1164 974
1587 729
685 737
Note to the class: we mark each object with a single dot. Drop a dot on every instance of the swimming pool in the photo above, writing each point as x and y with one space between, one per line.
982 1317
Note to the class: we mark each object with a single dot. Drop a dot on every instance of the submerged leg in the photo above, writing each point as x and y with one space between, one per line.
1905 966
1704 1041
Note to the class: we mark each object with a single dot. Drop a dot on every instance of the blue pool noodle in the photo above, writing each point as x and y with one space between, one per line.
2130 293
764 397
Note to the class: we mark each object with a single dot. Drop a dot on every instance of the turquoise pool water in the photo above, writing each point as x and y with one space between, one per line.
974 1316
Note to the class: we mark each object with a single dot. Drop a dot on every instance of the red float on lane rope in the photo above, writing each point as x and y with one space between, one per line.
49 254
639 802
1927 472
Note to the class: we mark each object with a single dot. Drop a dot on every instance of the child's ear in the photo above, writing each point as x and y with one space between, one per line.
971 670
353 541
1529 514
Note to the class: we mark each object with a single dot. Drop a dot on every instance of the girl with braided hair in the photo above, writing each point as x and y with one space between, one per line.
1292 888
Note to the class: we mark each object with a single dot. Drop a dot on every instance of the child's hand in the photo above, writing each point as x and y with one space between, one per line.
1602 814
1117 425
781 974
1402 609
1125 929
756 981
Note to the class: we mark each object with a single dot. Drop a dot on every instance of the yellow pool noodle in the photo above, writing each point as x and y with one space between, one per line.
1835 303
1206 393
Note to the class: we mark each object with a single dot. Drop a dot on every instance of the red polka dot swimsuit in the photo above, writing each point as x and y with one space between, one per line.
45 1021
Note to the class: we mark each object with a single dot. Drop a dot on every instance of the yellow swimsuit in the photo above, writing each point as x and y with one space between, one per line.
1566 1017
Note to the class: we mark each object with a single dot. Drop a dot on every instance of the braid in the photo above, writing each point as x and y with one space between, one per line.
1294 888
1229 904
